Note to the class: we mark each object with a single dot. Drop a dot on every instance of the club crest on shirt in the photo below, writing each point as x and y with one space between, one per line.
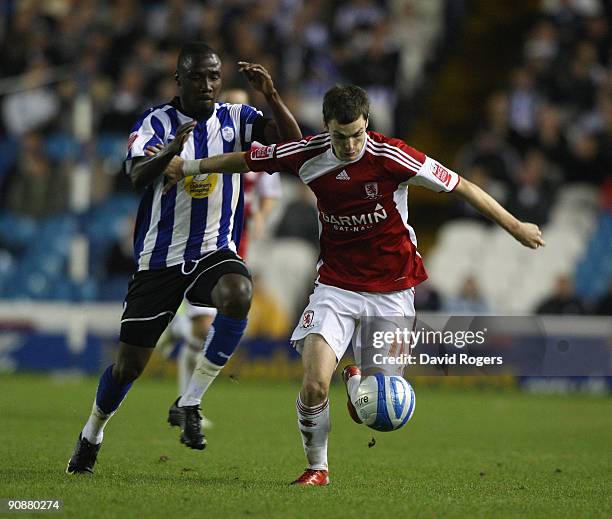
201 186
227 133
308 319
371 190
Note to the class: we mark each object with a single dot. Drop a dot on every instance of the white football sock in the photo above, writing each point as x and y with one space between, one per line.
203 375
185 365
93 431
352 385
314 426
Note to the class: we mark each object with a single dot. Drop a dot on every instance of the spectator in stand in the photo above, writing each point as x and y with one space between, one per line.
535 185
575 85
126 103
597 31
563 300
542 49
524 101
497 115
585 162
550 138
372 62
479 175
469 300
175 20
34 106
490 151
427 298
359 13
37 188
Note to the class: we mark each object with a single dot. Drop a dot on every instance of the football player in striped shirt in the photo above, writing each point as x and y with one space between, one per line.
192 323
186 237
369 264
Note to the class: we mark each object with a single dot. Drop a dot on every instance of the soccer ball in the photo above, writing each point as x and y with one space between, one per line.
384 403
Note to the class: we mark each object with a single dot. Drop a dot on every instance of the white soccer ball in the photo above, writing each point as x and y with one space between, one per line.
385 403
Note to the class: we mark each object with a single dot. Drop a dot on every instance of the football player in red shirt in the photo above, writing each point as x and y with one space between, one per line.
369 264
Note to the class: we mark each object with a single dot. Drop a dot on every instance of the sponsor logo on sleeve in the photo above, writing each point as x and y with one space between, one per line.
442 174
262 153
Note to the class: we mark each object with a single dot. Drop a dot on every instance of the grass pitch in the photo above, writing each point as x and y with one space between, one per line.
464 454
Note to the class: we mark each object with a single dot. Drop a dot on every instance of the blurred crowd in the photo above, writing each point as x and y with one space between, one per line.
67 103
553 123
116 58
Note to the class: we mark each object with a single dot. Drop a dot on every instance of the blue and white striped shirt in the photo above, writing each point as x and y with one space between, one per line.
199 214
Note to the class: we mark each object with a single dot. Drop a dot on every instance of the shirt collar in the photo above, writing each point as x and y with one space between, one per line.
344 162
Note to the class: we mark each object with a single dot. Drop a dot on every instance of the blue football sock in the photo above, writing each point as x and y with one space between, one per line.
110 394
223 338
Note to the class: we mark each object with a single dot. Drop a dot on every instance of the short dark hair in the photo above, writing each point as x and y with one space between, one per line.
345 103
193 48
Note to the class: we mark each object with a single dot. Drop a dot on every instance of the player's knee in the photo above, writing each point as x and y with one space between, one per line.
314 392
232 295
127 372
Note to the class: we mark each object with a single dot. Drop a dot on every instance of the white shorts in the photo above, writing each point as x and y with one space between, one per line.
337 315
194 311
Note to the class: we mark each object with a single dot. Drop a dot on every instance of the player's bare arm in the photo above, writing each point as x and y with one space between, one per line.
283 127
178 169
528 234
145 170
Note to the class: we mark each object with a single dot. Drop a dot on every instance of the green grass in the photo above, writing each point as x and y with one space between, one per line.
464 454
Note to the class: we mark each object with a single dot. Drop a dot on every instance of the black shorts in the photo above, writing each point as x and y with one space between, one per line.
154 295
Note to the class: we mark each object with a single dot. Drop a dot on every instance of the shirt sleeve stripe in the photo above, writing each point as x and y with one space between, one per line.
303 143
396 151
300 150
408 166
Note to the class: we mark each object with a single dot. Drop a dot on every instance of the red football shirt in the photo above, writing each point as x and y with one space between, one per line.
366 242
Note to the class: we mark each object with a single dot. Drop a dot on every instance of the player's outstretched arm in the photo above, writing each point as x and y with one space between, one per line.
178 169
284 127
145 170
528 234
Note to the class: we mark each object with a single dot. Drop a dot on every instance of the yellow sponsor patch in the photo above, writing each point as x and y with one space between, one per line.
201 186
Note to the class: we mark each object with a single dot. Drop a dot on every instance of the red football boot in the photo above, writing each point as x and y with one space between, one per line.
313 478
350 371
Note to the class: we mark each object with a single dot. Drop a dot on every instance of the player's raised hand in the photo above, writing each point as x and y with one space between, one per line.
259 78
154 149
529 234
175 146
174 173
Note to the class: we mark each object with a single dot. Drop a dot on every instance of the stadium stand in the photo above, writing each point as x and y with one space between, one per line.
557 103
544 141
